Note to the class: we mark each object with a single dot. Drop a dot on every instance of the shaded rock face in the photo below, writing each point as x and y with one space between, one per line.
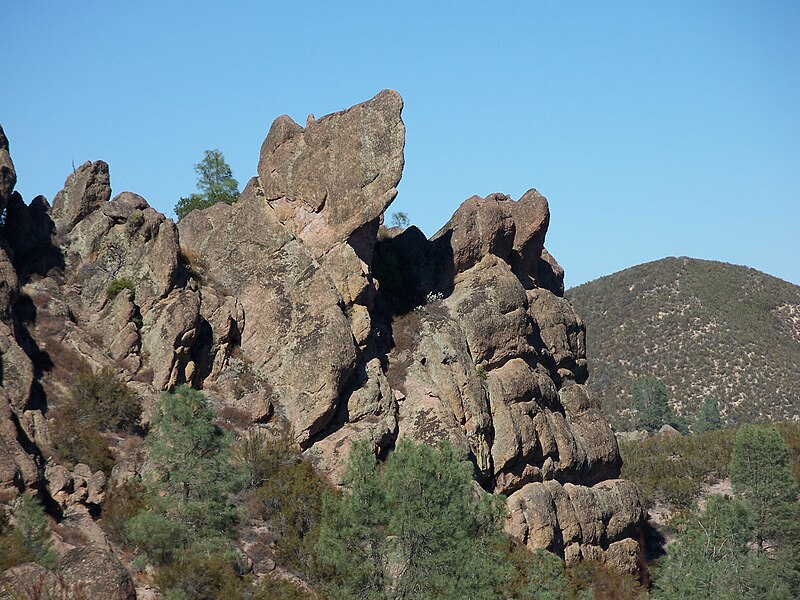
297 306
8 175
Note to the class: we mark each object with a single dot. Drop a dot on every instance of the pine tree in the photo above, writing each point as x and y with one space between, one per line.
189 481
651 405
215 182
761 474
413 528
711 558
708 417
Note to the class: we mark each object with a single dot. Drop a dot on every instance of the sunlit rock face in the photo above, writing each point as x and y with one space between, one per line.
298 307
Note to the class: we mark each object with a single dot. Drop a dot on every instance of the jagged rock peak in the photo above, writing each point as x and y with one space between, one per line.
295 307
8 176
340 172
85 191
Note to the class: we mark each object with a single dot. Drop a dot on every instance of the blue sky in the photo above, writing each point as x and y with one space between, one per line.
654 129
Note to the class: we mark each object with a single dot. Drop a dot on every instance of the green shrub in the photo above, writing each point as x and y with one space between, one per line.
202 577
116 286
102 401
122 503
537 574
77 443
276 588
591 579
12 548
99 402
288 495
33 531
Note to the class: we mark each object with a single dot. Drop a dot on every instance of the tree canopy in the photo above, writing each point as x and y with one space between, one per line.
189 481
214 181
413 527
651 405
708 417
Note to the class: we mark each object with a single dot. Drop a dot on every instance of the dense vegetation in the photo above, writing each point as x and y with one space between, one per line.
675 469
414 525
703 328
99 403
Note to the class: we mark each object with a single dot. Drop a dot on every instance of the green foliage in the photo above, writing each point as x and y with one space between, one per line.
116 286
481 371
276 588
400 219
99 402
539 575
651 406
711 557
12 549
121 504
214 181
593 580
673 469
761 474
211 576
189 482
708 417
704 327
33 531
288 495
412 528
76 443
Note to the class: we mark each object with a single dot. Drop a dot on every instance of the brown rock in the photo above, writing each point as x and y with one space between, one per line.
99 573
295 335
531 215
562 334
302 174
85 191
490 305
8 176
480 226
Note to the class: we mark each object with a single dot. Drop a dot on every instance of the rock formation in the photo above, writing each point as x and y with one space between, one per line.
297 305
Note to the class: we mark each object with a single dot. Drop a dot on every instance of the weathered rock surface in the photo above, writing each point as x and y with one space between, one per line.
297 308
98 572
329 179
8 175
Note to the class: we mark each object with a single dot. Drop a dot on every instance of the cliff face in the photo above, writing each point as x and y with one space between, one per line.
297 306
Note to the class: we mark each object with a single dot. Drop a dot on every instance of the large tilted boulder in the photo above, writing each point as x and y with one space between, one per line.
329 179
295 335
98 573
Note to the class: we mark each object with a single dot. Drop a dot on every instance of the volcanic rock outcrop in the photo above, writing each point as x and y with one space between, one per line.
296 305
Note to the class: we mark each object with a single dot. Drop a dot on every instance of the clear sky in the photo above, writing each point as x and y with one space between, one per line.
653 128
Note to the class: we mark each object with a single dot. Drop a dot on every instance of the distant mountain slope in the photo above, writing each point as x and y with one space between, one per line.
703 328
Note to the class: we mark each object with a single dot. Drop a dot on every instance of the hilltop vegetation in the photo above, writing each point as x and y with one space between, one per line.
703 328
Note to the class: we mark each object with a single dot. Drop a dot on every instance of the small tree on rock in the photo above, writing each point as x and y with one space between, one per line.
215 182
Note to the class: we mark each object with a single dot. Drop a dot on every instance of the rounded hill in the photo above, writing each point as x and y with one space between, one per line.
703 328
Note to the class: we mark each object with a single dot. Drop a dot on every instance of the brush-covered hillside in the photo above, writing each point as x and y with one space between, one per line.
702 328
